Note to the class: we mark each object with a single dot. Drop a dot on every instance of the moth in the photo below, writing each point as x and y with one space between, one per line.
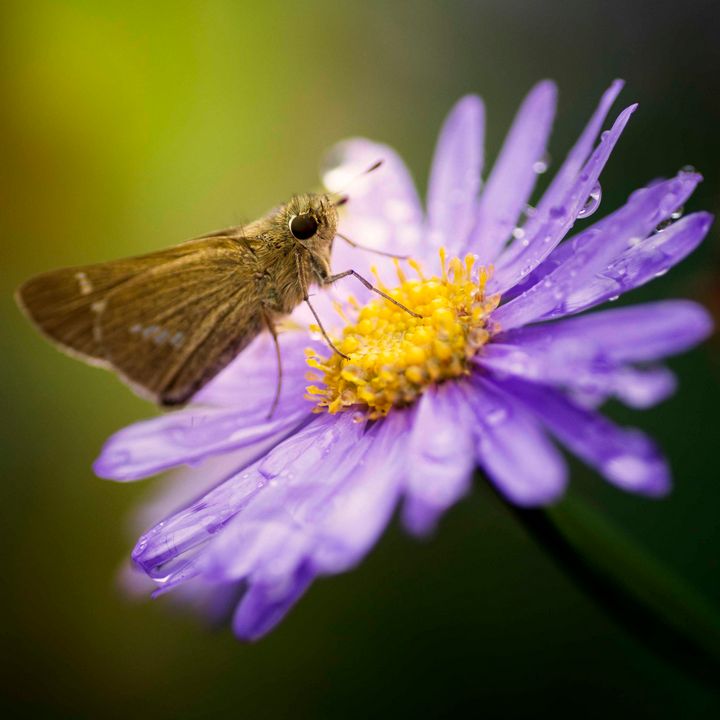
169 321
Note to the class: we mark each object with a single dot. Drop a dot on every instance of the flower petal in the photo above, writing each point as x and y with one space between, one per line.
513 178
200 431
170 546
593 251
640 264
520 259
639 333
576 158
513 449
253 374
644 388
264 605
274 531
590 377
384 211
349 526
440 460
455 175
625 457
588 354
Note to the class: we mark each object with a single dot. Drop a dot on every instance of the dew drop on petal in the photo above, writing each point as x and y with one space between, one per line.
592 203
540 166
677 214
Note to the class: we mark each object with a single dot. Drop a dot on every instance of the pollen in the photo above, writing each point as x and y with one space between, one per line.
392 355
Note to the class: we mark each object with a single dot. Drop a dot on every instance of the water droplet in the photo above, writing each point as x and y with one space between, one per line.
541 165
613 298
688 169
660 273
518 233
677 214
592 203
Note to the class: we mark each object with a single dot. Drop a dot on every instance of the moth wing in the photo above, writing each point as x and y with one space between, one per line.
170 331
166 324
64 304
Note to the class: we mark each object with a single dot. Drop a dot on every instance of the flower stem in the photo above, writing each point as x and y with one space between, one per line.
659 608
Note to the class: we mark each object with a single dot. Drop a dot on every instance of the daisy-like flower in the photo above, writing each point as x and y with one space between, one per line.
492 374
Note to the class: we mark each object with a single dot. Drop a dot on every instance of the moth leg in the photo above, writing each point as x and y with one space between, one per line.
306 298
322 330
332 278
278 388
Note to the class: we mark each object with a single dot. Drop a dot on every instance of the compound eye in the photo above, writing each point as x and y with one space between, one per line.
303 226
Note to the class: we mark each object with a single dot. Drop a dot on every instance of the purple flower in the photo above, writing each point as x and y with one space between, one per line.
492 375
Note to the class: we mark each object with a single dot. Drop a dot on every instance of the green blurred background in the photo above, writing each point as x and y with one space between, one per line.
128 126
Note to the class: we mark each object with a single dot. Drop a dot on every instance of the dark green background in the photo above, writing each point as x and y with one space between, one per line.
128 126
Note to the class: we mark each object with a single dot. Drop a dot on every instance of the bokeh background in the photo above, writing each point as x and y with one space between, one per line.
128 126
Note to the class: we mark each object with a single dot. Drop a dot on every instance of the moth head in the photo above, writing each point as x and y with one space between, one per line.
312 221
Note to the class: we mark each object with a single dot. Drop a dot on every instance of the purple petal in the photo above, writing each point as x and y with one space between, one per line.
520 260
588 354
252 375
325 506
170 546
455 175
584 370
644 388
593 251
274 532
264 605
513 178
193 435
351 524
641 263
625 457
513 449
172 493
241 398
384 211
640 333
440 460
576 158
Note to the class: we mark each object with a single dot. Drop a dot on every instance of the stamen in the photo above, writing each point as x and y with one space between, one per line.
392 356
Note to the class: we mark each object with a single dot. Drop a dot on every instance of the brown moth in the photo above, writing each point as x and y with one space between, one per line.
168 322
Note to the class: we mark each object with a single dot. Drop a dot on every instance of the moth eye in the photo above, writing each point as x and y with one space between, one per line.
303 226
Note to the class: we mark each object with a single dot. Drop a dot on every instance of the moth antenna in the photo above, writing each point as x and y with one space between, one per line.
343 198
354 244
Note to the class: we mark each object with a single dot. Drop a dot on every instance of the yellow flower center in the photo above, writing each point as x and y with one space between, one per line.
393 355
